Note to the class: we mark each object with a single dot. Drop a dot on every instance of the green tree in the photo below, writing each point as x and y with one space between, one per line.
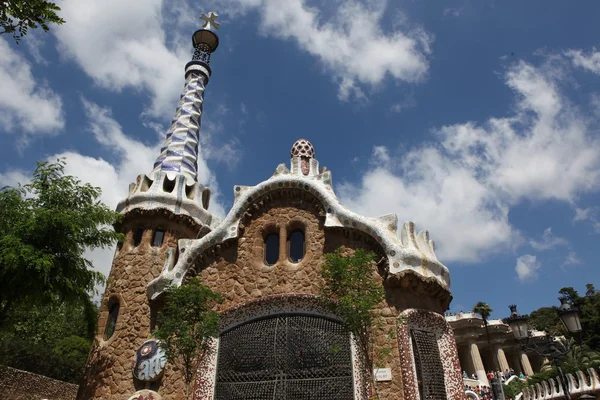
17 16
45 227
50 339
546 319
350 289
590 290
187 324
571 294
484 310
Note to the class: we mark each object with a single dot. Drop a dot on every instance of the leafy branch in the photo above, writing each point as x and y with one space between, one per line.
351 290
17 16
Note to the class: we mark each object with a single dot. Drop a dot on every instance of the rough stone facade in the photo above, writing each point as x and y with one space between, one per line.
230 257
108 373
22 385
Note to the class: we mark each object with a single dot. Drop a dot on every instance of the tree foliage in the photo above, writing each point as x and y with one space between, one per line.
51 339
351 290
187 324
546 318
45 228
17 16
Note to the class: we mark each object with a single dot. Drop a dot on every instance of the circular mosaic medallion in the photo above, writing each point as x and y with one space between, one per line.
149 362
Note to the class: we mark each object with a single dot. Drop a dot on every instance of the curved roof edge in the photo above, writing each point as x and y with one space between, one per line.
173 194
405 250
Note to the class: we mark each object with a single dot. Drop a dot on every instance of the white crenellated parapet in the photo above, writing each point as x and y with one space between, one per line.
405 250
552 389
175 195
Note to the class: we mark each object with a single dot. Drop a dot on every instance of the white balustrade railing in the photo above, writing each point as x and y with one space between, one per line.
552 389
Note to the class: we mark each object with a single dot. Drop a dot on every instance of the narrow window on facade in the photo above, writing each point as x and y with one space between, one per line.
137 237
295 246
428 363
111 322
158 238
271 248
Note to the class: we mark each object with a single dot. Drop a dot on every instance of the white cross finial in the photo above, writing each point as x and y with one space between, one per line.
209 21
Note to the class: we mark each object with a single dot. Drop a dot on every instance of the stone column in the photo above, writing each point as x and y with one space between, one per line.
478 364
502 361
527 370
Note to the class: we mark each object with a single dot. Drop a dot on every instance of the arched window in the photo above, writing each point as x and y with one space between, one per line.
137 237
111 322
295 246
271 248
158 238
285 357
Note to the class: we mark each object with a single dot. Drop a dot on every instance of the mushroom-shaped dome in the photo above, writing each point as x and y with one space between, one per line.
302 148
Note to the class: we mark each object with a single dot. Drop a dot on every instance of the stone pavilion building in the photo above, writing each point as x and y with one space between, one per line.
264 257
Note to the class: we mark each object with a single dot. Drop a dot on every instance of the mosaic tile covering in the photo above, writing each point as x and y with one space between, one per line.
179 152
145 395
405 251
172 184
432 322
176 196
270 306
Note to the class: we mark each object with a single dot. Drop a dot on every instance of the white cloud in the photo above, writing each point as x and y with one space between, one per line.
131 158
527 268
590 215
548 241
583 214
454 12
351 44
571 259
589 62
122 44
462 187
27 105
13 178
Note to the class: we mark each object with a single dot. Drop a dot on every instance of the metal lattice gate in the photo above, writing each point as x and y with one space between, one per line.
285 357
430 371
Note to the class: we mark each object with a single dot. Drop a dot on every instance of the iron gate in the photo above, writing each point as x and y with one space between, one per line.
287 357
428 363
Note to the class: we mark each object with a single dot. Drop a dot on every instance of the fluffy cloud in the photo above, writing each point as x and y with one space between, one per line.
463 186
122 44
338 42
548 241
589 62
527 268
571 259
26 104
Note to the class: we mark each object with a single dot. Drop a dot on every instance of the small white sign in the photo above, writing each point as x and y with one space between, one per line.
383 374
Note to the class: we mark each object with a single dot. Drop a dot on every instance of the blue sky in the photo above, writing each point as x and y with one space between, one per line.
477 120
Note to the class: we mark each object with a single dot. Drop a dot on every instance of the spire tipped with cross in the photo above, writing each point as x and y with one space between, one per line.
179 154
206 40
209 21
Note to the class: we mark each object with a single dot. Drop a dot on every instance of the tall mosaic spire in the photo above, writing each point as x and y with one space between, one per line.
179 153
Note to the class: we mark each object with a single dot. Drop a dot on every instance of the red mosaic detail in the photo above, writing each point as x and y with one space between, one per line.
432 322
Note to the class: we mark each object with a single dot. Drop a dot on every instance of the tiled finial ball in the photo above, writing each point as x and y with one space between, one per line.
303 148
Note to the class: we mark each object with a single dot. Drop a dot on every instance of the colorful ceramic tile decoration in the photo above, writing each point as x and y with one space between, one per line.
145 395
150 362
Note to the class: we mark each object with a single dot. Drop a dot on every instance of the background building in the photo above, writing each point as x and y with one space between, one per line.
476 356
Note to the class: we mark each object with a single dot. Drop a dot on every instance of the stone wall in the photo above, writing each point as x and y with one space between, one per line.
237 269
108 372
22 385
